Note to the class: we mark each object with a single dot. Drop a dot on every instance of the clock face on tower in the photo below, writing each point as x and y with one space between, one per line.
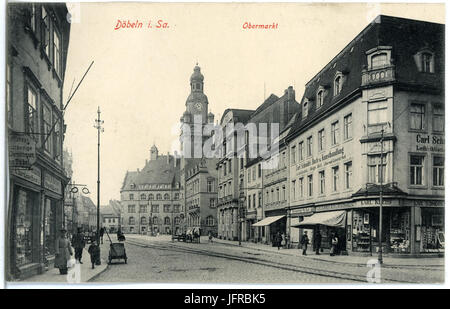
198 106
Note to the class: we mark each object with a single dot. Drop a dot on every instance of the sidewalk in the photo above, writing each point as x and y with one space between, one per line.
431 262
81 273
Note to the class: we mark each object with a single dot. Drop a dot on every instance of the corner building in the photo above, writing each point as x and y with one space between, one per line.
372 123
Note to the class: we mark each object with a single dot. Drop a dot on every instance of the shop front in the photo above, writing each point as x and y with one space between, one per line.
430 233
270 226
35 215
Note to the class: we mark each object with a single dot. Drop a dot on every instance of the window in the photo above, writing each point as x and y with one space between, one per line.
309 146
322 182
337 85
57 138
32 20
176 208
209 186
267 197
249 175
210 221
225 168
8 89
283 193
167 221
438 118
321 139
377 171
155 208
417 116
320 99
300 151
438 171
426 60
212 202
348 129
259 199
305 109
32 115
335 178
131 196
300 185
294 196
177 196
131 209
47 124
166 196
249 202
254 200
143 220
229 166
24 230
166 208
155 220
45 25
334 133
143 197
259 170
56 52
278 194
142 208
293 155
377 112
310 185
348 175
242 163
254 172
177 220
131 221
416 170
158 196
379 60
150 196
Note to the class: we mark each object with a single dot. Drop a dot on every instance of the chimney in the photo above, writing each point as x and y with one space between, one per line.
290 93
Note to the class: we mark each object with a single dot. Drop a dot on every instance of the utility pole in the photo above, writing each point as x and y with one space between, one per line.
98 126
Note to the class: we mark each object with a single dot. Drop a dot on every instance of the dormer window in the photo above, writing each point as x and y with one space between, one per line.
425 61
379 57
320 95
379 60
338 82
305 109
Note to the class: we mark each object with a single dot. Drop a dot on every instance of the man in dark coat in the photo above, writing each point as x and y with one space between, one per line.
304 241
317 241
78 243
102 231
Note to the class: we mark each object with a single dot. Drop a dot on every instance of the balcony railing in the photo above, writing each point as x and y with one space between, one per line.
378 75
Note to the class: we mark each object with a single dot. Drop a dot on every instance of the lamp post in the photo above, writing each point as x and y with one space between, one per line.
380 250
74 188
98 126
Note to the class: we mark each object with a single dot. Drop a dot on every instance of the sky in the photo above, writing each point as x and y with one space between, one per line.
140 77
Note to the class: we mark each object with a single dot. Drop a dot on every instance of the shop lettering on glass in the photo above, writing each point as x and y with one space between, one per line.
22 151
33 175
321 161
430 143
376 202
52 183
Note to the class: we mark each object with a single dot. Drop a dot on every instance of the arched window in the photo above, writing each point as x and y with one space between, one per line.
155 220
210 221
379 60
427 62
166 196
337 85
177 220
143 220
166 220
143 197
158 196
131 221
150 196
319 98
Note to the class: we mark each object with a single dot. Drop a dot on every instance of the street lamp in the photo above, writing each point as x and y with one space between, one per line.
380 250
74 188
98 125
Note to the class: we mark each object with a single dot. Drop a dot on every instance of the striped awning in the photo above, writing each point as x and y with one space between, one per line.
268 220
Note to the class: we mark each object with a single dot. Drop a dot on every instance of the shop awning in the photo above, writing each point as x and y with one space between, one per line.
268 220
332 218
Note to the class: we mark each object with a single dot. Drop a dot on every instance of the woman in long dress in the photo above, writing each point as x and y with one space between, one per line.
63 252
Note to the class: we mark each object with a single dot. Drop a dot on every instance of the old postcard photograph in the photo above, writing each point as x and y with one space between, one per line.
224 143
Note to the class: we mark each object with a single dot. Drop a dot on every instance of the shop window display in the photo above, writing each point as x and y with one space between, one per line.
400 231
23 229
50 227
361 231
432 230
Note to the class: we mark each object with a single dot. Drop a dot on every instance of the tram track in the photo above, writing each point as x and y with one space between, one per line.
264 262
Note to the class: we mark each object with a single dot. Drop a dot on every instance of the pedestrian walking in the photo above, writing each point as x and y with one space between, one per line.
317 241
334 244
78 243
210 237
283 240
94 252
102 231
278 240
304 241
63 252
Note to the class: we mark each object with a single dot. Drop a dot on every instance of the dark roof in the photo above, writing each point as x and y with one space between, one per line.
157 171
405 36
240 115
388 189
269 101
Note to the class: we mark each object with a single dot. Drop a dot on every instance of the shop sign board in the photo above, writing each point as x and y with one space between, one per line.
334 207
302 211
330 157
376 203
52 183
22 151
429 203
33 175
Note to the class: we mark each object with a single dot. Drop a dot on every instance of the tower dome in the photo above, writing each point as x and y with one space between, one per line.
197 76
